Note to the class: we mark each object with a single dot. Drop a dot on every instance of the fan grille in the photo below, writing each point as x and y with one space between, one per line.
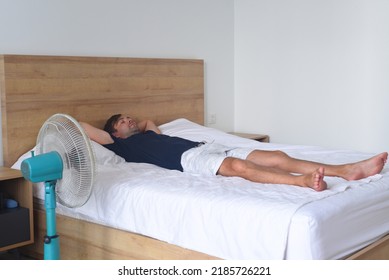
63 134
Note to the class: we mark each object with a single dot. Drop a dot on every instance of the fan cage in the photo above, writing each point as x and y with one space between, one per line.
63 134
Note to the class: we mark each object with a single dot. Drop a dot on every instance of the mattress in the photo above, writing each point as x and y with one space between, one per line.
233 218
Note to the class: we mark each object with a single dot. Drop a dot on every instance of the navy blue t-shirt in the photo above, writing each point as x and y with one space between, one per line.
150 147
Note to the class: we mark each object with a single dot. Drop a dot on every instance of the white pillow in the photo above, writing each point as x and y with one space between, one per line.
104 156
26 155
189 130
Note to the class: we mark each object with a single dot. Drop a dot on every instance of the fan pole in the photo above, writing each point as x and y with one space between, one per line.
51 240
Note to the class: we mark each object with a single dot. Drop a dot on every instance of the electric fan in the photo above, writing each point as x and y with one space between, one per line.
65 163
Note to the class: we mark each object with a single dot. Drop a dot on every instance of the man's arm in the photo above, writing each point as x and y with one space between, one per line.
98 135
148 125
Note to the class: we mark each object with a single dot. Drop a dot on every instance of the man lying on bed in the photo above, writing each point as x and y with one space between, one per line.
143 142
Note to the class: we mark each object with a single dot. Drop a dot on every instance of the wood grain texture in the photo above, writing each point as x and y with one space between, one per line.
378 250
85 240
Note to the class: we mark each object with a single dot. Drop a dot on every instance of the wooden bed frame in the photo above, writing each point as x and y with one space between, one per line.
91 89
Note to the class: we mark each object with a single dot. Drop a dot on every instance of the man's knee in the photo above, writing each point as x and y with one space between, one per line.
280 154
232 167
279 159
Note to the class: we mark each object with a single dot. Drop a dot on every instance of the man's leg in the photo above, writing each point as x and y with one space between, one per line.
262 174
351 171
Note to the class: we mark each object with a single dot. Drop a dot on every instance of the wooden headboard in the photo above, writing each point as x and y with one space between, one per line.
92 89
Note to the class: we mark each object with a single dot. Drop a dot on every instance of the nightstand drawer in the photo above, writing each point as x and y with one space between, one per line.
15 226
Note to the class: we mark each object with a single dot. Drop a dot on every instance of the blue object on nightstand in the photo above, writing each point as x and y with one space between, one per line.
10 203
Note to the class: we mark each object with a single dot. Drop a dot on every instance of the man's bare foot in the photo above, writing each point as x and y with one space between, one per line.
315 180
318 180
365 168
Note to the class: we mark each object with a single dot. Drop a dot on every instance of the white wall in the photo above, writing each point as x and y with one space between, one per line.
313 72
132 28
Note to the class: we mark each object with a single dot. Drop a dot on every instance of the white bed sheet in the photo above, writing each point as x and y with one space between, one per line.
233 218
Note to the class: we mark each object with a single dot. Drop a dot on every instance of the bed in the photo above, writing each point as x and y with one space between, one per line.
173 215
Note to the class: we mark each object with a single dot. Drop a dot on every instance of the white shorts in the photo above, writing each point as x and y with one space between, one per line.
206 159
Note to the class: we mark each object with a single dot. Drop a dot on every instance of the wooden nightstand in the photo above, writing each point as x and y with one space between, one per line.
257 137
16 224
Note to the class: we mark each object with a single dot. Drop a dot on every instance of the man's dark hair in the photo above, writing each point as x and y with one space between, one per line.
109 125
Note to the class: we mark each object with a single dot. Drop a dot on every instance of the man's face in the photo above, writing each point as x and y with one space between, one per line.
125 127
